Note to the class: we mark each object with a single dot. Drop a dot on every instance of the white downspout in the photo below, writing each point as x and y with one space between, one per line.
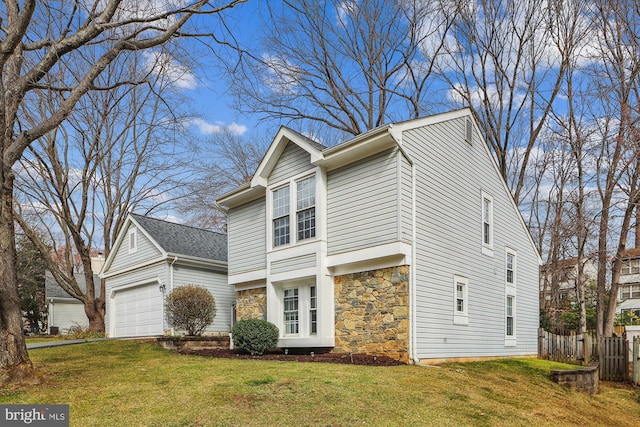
175 258
413 267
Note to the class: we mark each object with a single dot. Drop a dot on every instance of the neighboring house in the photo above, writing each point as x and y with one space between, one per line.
629 289
64 311
150 258
558 281
403 241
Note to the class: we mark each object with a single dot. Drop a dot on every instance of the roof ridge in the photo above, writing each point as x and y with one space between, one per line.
178 224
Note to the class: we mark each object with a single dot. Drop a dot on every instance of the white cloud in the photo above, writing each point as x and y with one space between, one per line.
169 71
281 76
218 127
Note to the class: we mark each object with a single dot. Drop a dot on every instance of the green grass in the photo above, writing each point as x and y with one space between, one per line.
124 383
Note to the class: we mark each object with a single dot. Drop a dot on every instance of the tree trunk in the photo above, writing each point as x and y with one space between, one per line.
15 365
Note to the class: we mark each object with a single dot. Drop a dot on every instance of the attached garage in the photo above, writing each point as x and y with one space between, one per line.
138 311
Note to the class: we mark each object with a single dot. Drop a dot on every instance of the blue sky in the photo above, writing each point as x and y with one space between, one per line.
209 89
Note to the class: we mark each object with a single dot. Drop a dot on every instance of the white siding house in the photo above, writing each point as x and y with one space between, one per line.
403 241
149 259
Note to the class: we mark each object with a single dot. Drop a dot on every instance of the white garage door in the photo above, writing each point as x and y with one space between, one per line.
138 311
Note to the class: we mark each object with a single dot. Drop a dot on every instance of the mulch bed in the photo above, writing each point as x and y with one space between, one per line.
353 359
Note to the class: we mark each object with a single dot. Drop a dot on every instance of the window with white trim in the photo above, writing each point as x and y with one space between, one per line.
280 204
313 311
487 224
629 291
133 240
306 207
461 300
510 318
510 264
291 317
630 266
294 205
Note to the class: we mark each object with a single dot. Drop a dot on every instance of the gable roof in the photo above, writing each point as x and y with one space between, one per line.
178 239
53 290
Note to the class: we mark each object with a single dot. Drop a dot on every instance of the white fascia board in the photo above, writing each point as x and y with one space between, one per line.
200 262
148 263
115 247
271 157
375 257
360 147
252 276
252 285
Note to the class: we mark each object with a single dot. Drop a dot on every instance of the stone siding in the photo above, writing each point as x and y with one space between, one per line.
372 313
251 304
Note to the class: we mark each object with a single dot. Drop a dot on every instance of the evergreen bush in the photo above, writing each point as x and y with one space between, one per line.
255 336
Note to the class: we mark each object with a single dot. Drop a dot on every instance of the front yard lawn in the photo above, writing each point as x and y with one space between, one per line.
125 383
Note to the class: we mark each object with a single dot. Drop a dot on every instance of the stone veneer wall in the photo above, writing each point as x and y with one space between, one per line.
372 313
251 304
586 380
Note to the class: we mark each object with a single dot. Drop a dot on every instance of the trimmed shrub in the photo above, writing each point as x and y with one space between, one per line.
255 336
190 308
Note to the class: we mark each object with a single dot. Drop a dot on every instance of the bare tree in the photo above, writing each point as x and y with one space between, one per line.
110 156
616 86
347 65
506 60
40 41
223 162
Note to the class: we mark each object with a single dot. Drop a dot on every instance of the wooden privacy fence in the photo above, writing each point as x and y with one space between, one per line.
567 348
582 348
614 363
636 360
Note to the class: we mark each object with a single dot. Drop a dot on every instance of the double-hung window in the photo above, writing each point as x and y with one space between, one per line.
461 300
296 200
306 207
510 326
487 224
313 311
281 233
511 268
291 315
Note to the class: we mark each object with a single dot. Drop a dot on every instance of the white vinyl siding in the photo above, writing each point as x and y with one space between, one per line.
145 250
293 161
294 263
362 203
247 237
450 177
214 282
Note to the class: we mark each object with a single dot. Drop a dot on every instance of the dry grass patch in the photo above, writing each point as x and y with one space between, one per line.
116 383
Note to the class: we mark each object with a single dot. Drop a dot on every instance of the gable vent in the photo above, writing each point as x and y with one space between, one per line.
469 131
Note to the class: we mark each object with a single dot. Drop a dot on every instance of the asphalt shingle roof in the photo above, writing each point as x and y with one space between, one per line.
53 290
185 240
